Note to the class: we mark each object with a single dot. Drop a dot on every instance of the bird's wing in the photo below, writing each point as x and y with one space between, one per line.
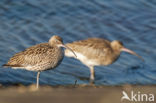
30 56
93 46
94 43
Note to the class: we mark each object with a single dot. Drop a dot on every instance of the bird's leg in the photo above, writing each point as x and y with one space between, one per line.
38 76
91 74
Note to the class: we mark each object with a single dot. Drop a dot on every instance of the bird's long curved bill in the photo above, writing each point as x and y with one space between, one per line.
132 52
69 49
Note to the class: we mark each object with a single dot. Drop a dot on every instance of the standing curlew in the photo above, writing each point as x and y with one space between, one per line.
95 52
39 57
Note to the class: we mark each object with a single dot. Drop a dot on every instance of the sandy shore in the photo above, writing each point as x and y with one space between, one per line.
71 94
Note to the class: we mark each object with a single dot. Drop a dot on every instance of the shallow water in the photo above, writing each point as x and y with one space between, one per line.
24 23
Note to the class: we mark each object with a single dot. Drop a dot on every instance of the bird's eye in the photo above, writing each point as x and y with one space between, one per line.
120 43
56 40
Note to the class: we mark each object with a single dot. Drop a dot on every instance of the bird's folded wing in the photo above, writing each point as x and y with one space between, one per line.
91 46
30 56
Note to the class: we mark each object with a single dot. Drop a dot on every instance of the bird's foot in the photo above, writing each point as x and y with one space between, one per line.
92 82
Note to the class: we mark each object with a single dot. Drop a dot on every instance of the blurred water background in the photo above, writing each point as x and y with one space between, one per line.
24 23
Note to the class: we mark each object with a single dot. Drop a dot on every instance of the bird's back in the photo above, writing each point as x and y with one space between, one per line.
93 44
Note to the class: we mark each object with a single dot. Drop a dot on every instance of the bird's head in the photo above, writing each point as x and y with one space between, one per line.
57 41
118 47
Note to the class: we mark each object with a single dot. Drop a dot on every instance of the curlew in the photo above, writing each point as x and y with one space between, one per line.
96 52
39 57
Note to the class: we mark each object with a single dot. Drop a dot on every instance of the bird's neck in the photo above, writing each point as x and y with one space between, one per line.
111 57
116 54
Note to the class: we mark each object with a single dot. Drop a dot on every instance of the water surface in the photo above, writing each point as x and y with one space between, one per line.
24 23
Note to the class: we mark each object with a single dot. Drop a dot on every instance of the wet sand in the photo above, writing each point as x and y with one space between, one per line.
70 94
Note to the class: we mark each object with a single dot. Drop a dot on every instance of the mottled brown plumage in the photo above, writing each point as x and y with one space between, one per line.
40 57
37 58
95 51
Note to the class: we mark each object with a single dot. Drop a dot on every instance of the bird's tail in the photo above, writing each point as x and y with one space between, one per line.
5 65
10 65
